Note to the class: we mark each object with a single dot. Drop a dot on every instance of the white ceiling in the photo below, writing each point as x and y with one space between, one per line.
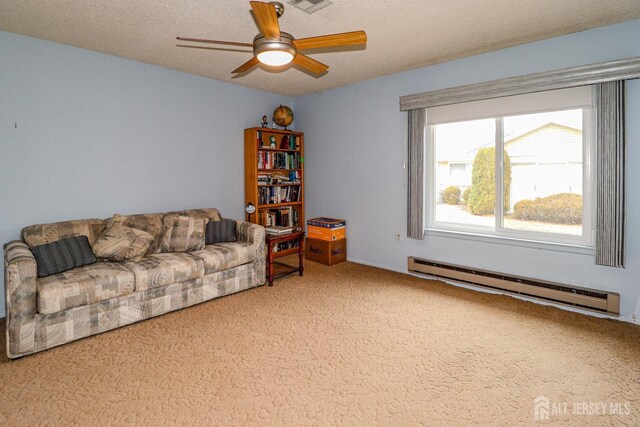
403 35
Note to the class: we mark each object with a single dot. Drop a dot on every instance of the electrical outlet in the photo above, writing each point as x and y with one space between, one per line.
398 237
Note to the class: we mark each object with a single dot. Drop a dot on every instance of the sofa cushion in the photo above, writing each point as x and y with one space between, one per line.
40 234
222 256
220 231
62 255
122 243
164 269
183 233
83 285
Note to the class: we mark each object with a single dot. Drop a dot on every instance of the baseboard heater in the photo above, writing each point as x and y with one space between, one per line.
602 301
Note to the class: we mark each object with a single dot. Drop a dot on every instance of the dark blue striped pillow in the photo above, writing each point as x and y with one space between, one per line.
63 255
220 231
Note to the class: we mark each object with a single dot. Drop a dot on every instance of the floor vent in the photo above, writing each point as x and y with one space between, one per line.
310 6
605 302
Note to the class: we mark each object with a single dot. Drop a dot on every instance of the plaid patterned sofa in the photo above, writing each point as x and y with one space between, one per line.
46 312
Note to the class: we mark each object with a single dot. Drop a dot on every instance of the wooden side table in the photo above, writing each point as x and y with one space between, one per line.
271 242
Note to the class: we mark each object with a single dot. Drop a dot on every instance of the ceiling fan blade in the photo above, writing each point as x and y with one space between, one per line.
246 66
184 39
223 49
310 64
331 40
267 19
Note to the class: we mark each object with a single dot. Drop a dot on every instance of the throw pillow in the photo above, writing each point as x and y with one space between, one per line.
122 243
62 255
221 231
151 223
183 234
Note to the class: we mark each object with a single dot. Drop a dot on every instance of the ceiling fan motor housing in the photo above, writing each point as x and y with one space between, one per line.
262 44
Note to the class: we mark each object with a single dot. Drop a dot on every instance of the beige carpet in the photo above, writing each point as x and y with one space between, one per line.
345 345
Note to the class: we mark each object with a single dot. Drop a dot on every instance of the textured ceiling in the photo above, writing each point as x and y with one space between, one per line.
403 35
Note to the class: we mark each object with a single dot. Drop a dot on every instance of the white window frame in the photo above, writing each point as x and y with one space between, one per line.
505 235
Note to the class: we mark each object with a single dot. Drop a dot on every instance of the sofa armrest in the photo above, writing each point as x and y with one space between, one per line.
253 233
20 277
249 232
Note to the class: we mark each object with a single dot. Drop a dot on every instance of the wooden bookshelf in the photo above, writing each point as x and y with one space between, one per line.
274 177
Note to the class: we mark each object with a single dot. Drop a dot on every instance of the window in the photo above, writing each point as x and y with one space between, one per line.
515 167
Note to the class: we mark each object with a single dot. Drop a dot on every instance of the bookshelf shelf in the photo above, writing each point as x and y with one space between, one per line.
278 205
273 175
279 149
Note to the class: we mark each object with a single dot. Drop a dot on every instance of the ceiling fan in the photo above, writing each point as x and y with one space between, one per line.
276 48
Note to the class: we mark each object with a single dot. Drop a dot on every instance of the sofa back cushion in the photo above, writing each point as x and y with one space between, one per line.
212 214
40 234
151 223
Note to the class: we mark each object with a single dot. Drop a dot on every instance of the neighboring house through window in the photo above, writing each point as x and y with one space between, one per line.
515 167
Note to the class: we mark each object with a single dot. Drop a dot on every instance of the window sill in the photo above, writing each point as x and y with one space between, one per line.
499 240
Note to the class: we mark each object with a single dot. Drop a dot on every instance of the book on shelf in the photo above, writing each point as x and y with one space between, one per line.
278 230
283 246
287 142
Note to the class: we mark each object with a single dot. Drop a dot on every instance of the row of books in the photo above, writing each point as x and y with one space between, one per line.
271 195
287 142
277 160
284 216
284 246
277 178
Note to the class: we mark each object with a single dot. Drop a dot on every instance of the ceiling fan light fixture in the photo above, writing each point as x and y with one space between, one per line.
274 52
275 58
276 48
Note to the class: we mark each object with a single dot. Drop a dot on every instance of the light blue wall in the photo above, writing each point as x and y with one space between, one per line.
97 134
355 151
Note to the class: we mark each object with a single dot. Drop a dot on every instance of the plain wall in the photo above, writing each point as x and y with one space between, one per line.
355 153
83 135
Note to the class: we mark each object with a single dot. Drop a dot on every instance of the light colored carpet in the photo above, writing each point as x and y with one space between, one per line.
344 345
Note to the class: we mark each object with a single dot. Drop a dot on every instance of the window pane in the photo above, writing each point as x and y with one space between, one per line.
459 148
545 152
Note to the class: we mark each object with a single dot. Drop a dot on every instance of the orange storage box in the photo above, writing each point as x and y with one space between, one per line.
329 234
328 229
